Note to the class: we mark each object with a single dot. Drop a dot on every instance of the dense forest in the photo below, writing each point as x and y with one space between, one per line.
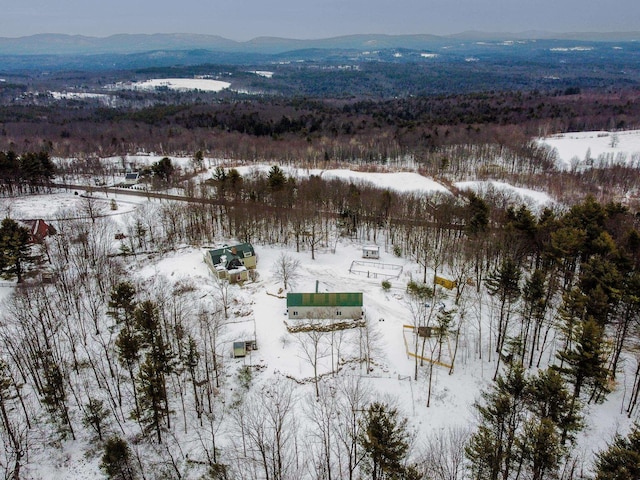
302 128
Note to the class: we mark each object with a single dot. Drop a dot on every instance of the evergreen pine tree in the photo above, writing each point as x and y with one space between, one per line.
122 303
541 447
548 397
276 178
492 449
14 249
384 440
551 419
159 361
152 398
478 215
122 307
163 169
504 283
621 460
94 416
583 363
116 460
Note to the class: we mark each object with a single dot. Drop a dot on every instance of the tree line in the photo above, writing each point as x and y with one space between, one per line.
275 128
27 173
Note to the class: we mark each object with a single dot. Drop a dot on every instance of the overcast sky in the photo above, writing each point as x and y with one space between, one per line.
247 19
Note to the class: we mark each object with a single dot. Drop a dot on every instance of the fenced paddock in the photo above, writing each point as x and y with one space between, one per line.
381 270
429 344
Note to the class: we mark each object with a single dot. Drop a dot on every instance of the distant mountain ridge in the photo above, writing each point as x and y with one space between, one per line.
61 44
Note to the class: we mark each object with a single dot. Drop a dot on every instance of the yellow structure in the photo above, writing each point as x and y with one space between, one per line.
445 282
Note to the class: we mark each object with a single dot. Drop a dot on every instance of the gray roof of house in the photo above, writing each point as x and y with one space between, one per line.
230 252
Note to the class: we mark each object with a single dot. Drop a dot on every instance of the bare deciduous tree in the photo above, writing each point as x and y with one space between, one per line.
221 294
322 412
314 347
267 424
444 454
353 394
286 270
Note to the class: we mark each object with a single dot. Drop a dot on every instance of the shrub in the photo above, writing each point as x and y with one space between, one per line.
419 290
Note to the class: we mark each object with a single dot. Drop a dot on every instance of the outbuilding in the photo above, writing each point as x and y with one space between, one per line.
131 178
371 251
243 347
38 229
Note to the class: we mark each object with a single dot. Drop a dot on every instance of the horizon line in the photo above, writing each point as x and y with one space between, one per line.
525 33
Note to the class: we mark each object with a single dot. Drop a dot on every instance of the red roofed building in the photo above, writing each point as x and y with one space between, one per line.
38 229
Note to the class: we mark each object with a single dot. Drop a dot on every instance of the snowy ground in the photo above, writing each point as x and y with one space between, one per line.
534 199
6 288
55 206
259 310
184 84
403 182
581 149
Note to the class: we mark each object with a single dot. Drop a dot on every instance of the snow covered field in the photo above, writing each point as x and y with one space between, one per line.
263 73
535 200
398 181
404 182
184 84
79 96
580 149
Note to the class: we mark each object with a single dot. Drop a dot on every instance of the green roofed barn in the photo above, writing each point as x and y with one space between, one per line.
324 305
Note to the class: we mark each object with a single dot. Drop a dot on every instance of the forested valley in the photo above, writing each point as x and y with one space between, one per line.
304 129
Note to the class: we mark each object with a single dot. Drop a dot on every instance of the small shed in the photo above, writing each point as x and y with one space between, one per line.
371 251
131 178
240 348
